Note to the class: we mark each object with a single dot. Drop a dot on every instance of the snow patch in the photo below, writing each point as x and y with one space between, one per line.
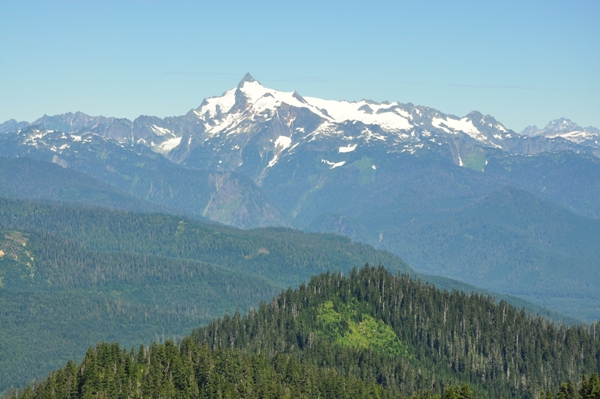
168 145
576 136
349 148
160 131
333 164
283 142
462 125
389 116
217 105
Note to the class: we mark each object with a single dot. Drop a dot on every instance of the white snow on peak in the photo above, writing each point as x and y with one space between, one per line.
349 148
263 103
576 136
161 131
217 105
464 125
271 99
254 90
389 116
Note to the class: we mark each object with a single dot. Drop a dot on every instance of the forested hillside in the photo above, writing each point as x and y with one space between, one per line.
72 276
28 178
410 336
371 334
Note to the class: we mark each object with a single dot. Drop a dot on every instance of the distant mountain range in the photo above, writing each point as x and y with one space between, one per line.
463 197
226 124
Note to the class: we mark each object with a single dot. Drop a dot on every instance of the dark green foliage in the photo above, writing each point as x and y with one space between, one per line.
72 277
87 275
450 337
265 252
458 346
190 371
70 298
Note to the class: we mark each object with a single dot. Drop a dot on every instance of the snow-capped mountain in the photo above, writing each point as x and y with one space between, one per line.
277 123
251 128
567 130
275 138
406 178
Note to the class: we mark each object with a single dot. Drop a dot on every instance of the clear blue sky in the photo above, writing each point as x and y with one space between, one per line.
524 62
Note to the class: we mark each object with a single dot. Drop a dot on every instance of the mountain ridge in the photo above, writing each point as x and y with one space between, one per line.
165 135
255 157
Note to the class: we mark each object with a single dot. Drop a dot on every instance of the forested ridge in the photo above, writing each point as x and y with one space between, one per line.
73 276
193 371
449 336
371 334
281 255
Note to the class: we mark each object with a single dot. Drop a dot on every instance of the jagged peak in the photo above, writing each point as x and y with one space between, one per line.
476 115
203 103
531 130
298 97
562 124
247 79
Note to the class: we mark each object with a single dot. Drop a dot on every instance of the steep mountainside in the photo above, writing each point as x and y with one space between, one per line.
26 178
256 157
225 197
371 334
409 336
70 277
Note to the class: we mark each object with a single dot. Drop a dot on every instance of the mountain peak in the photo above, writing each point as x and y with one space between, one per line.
247 79
298 97
562 125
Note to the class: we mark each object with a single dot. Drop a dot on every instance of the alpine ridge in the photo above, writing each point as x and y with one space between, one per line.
436 189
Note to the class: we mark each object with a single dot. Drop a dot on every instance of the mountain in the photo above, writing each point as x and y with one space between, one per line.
26 178
12 125
72 276
567 130
149 177
513 242
257 157
252 123
370 334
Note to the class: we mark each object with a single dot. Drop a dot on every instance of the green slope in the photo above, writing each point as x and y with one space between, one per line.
409 336
143 276
371 334
515 243
27 178
57 299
